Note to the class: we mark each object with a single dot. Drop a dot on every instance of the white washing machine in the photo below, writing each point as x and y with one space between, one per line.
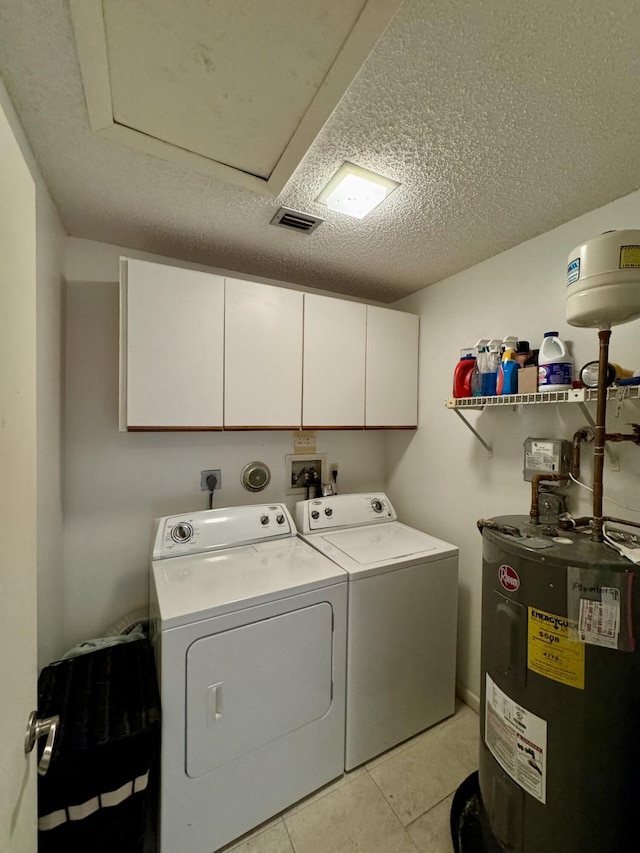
249 629
401 623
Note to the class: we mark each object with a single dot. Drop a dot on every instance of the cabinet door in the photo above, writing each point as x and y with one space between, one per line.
392 368
171 347
333 363
263 356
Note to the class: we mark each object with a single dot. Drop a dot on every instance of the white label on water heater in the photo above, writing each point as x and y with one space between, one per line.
599 621
517 739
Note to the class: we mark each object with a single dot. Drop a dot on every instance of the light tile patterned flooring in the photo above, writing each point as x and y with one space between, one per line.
398 803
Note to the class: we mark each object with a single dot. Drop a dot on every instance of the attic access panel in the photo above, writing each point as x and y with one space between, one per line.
238 89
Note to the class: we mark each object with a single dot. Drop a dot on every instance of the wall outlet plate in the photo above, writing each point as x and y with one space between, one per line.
203 479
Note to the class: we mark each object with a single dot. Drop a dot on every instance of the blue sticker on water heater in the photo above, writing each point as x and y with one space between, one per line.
573 271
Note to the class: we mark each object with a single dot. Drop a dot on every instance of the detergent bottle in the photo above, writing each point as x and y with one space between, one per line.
462 372
507 380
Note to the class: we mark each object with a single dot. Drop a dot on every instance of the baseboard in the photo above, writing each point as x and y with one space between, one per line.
468 697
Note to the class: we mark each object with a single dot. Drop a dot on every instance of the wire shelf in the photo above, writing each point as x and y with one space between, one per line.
575 395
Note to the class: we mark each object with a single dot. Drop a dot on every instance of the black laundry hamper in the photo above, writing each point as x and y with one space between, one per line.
99 791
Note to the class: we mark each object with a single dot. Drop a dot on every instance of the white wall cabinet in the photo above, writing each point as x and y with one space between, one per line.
334 363
171 347
201 352
392 368
263 356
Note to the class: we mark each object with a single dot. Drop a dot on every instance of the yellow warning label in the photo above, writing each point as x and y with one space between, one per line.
550 652
629 257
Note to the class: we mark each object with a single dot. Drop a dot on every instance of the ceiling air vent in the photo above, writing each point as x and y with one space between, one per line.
296 220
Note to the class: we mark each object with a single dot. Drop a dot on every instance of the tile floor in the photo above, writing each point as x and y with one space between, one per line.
397 803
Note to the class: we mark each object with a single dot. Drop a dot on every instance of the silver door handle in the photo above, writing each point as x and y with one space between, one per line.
39 728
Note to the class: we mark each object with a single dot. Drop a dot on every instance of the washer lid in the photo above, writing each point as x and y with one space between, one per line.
378 548
199 586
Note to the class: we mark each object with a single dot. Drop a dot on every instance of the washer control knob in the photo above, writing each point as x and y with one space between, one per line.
264 519
280 519
315 515
181 532
377 505
328 511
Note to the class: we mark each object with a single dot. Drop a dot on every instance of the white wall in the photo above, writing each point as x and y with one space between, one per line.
440 478
116 483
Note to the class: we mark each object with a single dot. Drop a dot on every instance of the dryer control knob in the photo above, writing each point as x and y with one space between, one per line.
377 505
315 515
264 519
328 511
280 519
181 532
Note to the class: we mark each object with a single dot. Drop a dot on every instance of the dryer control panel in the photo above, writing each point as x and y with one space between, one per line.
214 529
335 511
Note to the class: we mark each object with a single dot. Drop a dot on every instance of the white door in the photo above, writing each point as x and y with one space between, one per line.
172 347
392 368
262 356
333 363
254 684
18 667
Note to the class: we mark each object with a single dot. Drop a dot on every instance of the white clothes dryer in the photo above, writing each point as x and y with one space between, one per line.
401 622
248 624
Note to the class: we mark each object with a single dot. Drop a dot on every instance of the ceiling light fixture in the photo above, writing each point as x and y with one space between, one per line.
356 191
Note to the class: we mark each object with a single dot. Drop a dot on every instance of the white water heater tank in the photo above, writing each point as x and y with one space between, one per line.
603 280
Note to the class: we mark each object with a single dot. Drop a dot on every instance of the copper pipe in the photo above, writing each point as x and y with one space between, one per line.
601 416
507 529
621 436
584 434
534 513
621 521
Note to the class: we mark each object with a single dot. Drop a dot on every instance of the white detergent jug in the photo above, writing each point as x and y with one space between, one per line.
555 365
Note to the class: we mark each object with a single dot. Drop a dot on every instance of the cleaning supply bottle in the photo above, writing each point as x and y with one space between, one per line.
462 372
555 365
490 374
523 353
482 350
507 380
510 342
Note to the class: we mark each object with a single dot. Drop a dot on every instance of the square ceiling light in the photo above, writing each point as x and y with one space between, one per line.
356 191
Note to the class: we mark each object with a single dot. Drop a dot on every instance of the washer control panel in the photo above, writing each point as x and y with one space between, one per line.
181 532
336 511
214 529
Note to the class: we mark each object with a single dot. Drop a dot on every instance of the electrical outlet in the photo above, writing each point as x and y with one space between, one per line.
203 479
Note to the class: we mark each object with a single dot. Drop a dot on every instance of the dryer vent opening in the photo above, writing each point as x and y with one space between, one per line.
296 220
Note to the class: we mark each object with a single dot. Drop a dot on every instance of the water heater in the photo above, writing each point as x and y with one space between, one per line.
560 700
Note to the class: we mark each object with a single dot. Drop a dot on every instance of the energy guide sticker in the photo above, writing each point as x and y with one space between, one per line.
517 739
550 652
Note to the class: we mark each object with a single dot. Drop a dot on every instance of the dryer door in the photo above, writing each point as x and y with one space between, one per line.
254 684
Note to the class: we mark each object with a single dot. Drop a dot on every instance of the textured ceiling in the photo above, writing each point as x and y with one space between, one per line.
501 120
